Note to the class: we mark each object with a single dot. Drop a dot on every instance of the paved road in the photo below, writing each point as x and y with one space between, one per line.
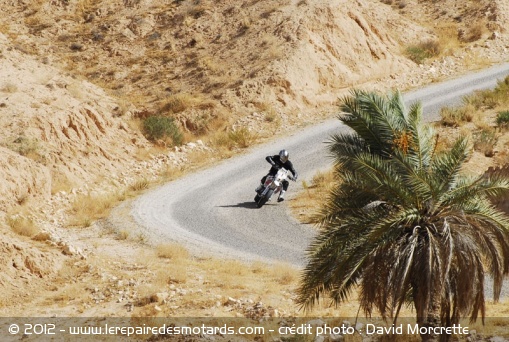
213 210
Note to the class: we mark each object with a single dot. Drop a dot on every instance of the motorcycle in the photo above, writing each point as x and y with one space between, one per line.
272 185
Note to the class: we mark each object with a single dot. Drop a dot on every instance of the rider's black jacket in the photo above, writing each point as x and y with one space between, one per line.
276 163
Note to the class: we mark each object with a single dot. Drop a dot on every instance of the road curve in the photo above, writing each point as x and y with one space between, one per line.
213 210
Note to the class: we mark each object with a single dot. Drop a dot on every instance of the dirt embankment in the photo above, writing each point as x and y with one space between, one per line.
74 72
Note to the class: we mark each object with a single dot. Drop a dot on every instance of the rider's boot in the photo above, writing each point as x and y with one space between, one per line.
281 197
259 187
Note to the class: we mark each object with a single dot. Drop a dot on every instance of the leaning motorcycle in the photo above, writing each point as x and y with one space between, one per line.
272 185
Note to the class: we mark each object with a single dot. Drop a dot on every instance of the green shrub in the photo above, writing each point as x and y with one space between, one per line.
427 49
503 118
162 128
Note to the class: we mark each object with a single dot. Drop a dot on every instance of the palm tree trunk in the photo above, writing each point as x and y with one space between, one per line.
433 320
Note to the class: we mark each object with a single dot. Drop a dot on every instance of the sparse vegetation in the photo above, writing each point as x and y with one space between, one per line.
314 196
489 99
26 147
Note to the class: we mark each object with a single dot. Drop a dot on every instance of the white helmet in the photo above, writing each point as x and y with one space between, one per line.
283 155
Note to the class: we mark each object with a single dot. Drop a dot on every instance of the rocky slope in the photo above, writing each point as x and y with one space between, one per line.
75 74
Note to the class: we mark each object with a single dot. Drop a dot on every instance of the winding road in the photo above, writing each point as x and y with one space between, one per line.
213 210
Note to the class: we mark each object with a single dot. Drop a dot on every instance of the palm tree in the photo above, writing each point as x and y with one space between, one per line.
403 224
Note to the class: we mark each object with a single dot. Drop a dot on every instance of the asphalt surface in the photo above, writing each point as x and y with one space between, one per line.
213 211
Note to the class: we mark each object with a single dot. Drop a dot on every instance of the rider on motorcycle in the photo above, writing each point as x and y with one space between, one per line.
278 161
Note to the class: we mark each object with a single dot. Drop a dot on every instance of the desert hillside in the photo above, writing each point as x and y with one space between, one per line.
79 77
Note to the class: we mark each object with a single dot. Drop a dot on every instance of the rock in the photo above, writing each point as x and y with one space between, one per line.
336 338
68 250
497 339
208 337
319 338
494 35
316 323
159 297
231 301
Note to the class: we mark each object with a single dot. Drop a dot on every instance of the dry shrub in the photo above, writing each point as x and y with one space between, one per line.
473 33
241 138
457 116
172 251
178 103
86 209
490 98
28 147
210 64
70 292
259 267
448 37
164 277
323 180
284 274
177 274
59 183
306 207
273 117
234 267
123 234
484 142
139 185
9 87
22 225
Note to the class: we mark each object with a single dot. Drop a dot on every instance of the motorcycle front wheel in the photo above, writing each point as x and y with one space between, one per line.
265 198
